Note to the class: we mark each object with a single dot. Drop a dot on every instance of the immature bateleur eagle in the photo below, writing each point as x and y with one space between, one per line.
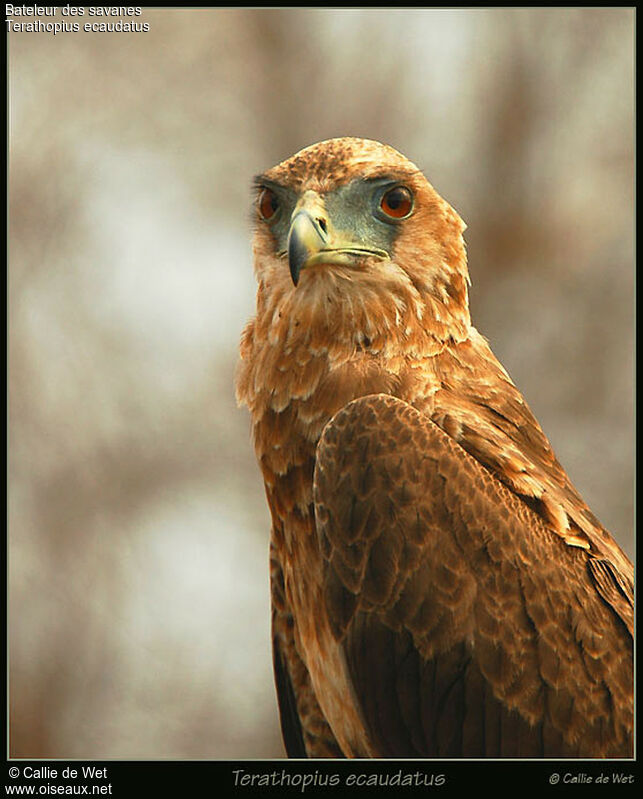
439 587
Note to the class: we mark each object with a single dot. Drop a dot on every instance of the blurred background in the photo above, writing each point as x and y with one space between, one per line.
138 529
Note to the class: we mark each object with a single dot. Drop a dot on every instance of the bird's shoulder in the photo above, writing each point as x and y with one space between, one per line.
481 408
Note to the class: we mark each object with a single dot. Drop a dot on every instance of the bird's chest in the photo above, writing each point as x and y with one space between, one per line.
287 438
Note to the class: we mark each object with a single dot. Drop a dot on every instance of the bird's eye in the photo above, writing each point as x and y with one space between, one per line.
397 202
268 204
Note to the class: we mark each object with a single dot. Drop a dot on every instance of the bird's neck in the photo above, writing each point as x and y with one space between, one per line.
301 361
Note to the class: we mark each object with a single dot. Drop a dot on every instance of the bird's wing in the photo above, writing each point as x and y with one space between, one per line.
468 627
291 728
305 730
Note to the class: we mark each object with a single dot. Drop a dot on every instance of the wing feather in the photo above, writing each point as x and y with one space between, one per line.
304 729
479 406
288 714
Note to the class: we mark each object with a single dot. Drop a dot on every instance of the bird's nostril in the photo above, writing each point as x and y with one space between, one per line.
322 224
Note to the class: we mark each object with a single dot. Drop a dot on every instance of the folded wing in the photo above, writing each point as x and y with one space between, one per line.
468 627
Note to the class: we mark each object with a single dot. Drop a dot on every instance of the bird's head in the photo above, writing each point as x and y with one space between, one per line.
351 235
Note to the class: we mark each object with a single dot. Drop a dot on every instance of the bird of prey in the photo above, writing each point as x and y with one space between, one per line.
439 587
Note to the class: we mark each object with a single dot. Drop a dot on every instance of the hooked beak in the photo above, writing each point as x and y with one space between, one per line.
312 240
306 240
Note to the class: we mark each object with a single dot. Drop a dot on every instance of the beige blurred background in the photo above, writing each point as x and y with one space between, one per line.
138 531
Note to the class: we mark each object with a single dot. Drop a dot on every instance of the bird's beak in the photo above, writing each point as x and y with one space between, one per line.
308 234
312 239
